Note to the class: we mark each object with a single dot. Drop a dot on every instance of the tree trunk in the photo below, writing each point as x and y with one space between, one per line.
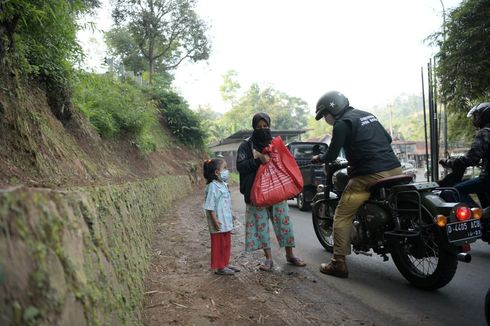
150 70
151 59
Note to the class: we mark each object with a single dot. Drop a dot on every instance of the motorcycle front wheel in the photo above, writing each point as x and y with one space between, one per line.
322 215
303 205
423 260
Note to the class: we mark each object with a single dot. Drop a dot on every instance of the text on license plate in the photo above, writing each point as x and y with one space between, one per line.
458 231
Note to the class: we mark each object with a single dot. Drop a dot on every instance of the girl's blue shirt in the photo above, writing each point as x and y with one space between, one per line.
218 199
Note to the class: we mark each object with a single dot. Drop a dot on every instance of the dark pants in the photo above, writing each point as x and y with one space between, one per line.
478 186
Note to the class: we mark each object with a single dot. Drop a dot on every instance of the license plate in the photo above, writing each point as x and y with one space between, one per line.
459 231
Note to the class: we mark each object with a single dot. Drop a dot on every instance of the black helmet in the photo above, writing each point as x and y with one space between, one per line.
480 114
332 102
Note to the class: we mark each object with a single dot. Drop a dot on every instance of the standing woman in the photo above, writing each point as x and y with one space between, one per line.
257 235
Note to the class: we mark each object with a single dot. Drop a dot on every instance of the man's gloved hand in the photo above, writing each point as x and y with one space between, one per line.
446 162
315 159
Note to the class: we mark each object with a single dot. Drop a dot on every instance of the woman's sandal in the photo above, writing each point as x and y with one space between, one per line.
296 261
266 265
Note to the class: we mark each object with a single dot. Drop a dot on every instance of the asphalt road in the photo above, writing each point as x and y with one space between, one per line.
383 289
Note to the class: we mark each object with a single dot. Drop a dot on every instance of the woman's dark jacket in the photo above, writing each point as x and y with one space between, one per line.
247 168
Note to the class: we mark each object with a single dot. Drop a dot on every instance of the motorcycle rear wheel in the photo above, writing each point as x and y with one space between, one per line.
423 260
322 216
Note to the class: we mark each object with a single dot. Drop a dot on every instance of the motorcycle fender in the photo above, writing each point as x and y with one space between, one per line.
320 196
433 205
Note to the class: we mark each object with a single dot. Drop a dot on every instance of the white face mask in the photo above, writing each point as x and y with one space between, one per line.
223 175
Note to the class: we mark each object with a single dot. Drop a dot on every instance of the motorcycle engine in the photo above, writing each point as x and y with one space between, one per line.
369 226
340 179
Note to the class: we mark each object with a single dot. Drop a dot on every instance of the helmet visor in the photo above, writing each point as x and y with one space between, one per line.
319 114
472 111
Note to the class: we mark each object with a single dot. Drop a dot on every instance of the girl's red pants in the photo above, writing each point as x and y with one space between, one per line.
220 249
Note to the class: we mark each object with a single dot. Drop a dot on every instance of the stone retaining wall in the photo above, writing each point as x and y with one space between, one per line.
78 257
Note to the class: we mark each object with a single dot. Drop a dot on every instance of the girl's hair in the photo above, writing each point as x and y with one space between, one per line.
210 167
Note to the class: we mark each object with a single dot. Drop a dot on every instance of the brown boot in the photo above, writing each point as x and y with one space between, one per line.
336 267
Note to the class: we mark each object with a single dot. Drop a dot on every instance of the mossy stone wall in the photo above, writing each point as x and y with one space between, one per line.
79 256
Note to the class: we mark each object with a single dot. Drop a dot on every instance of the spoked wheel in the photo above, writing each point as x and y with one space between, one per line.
422 260
322 214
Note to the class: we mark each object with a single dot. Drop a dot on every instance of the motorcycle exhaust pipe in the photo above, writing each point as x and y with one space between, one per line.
464 257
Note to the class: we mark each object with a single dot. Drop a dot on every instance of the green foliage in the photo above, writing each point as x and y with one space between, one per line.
230 87
166 32
317 128
43 35
405 115
117 108
121 44
286 112
30 315
180 119
212 124
234 178
460 129
464 56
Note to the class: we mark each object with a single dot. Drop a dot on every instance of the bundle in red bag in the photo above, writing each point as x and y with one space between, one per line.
278 179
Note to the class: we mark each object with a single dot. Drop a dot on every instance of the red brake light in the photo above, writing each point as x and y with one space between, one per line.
463 213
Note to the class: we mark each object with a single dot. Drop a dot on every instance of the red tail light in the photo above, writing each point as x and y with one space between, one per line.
463 213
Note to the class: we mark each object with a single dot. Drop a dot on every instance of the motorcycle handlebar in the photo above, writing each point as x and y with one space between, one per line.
338 164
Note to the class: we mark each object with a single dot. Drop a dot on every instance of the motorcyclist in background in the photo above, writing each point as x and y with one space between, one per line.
479 151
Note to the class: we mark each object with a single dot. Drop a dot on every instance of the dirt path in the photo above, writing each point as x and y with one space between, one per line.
181 289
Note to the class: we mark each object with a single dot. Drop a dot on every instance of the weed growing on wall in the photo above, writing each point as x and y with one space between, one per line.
117 108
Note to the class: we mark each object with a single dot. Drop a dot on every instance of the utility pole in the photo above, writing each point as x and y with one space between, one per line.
391 120
446 153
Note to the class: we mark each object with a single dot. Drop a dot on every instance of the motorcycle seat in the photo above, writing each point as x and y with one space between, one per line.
389 182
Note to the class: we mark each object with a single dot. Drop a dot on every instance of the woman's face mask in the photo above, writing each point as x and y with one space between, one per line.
262 134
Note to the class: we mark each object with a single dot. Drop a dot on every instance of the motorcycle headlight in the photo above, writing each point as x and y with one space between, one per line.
320 188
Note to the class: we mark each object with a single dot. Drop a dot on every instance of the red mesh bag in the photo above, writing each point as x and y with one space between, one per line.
277 180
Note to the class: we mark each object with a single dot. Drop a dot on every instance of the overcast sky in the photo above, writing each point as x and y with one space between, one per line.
371 50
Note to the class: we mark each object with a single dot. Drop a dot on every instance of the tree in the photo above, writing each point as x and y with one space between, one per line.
38 38
205 112
167 32
121 44
286 112
230 87
41 35
464 56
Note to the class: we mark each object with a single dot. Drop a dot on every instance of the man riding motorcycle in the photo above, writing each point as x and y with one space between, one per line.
370 156
479 151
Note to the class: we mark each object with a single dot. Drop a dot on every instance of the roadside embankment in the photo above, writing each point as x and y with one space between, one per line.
78 256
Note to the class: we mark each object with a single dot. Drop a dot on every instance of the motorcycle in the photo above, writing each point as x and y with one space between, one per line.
425 235
453 176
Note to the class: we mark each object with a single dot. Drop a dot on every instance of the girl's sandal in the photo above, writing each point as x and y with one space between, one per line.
296 261
266 265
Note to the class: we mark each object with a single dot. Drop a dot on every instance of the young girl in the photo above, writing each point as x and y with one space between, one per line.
217 204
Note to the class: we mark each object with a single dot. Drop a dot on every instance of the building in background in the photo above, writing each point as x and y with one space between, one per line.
228 147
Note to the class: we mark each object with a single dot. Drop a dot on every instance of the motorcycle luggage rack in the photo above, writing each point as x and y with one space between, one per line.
398 232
